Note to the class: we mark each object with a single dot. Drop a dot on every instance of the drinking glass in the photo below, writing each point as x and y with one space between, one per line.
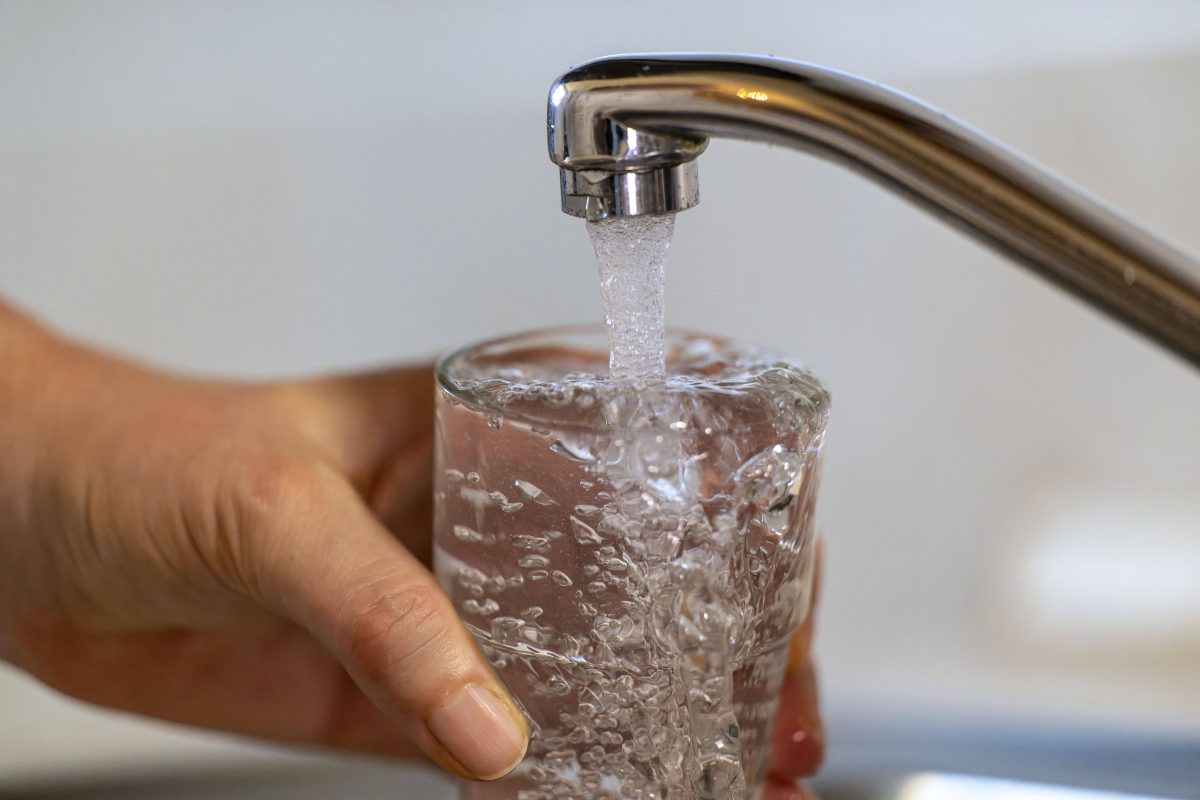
632 559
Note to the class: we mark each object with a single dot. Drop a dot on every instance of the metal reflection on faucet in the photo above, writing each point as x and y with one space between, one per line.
753 94
626 132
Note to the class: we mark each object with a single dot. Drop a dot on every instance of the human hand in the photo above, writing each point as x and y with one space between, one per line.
252 558
799 744
241 557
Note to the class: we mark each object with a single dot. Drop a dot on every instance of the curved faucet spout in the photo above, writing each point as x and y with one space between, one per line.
626 132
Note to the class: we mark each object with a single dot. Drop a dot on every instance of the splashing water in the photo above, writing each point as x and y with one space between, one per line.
631 255
635 582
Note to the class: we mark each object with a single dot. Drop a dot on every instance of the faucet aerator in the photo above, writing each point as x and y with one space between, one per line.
598 194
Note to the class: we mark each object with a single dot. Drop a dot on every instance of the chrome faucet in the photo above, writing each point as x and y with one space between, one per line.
626 132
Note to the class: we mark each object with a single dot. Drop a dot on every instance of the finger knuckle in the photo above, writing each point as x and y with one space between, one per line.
270 487
389 632
259 507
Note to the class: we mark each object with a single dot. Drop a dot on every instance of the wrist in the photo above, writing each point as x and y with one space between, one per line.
18 336
33 360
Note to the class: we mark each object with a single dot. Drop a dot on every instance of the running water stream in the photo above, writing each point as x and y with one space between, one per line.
698 622
631 257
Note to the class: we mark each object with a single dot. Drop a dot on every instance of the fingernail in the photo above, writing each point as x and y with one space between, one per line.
480 732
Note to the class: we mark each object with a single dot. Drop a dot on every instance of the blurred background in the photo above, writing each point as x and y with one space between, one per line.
1011 502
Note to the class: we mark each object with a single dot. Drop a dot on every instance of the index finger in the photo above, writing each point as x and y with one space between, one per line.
798 746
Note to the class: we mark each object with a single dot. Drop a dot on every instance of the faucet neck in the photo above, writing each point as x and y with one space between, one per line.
626 130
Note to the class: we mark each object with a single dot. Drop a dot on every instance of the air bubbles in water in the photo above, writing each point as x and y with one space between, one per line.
533 493
638 611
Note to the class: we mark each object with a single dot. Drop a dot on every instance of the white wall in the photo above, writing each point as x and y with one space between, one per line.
275 188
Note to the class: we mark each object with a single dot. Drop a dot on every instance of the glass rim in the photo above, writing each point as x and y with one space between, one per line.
445 381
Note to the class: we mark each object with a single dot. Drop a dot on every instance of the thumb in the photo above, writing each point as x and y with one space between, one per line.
342 575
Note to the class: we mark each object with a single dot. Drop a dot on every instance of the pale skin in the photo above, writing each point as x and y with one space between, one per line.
253 558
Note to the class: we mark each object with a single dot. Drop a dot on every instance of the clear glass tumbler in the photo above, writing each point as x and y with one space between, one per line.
632 560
